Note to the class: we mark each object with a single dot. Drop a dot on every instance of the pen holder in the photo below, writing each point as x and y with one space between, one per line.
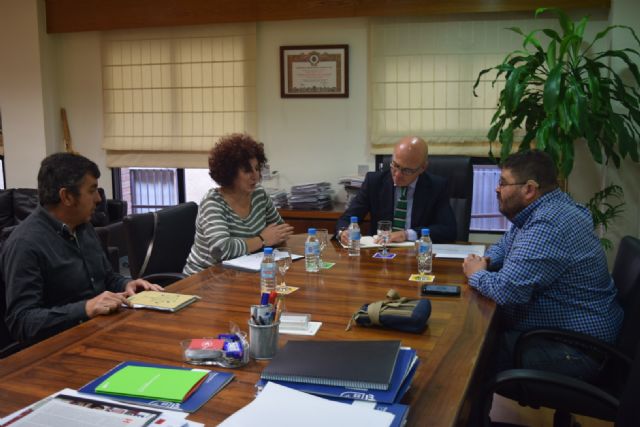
263 340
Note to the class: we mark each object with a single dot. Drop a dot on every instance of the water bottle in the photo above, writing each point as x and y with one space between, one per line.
268 272
312 252
354 237
425 252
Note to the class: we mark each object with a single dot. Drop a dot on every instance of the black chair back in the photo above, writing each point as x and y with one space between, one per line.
159 242
459 172
626 275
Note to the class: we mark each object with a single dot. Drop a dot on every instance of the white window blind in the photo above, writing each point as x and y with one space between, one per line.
422 76
169 96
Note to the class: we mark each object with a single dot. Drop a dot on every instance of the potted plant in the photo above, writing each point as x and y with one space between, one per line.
559 92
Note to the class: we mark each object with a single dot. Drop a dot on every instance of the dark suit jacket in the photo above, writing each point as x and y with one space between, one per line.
431 206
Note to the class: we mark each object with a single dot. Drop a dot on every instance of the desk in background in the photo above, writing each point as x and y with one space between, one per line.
450 350
301 220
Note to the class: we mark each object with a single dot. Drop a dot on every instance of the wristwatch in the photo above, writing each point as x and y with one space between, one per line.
261 239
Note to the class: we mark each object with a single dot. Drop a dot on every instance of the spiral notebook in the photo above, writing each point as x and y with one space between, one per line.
355 364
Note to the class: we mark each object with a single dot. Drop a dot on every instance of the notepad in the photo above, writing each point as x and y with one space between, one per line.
355 364
165 301
173 385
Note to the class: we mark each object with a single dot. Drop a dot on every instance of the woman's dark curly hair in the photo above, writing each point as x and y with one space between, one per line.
231 153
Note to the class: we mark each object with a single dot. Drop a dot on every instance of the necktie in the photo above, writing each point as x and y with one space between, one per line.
400 213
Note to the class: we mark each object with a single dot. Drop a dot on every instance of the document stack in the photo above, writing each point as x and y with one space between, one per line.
278 197
377 372
312 196
351 185
158 386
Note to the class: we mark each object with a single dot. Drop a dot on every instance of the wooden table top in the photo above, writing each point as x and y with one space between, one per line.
449 349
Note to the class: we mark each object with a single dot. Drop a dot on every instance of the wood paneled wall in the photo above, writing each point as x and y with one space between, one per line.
95 15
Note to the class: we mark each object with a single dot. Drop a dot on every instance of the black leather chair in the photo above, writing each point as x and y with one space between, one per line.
601 397
159 242
459 171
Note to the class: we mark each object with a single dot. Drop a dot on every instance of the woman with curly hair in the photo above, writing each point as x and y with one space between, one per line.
238 217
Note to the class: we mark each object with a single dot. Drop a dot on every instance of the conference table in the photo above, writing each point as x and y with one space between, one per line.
451 350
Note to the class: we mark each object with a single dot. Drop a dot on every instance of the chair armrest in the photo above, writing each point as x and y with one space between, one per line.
164 279
536 388
117 209
575 339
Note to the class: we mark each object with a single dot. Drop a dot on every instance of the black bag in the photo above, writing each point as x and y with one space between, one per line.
403 314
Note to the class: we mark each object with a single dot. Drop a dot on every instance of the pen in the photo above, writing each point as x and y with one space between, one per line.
278 309
272 297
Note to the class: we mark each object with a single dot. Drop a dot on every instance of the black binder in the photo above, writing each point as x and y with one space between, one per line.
354 364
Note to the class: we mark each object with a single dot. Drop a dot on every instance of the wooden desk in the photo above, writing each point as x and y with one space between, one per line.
301 220
449 350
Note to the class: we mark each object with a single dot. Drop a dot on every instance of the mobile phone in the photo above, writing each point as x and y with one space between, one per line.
444 290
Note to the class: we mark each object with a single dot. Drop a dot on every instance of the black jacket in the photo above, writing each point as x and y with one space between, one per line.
430 209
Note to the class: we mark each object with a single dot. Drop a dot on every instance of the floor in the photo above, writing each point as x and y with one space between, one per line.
506 410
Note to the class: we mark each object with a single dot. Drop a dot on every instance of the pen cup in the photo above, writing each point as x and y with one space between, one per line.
263 340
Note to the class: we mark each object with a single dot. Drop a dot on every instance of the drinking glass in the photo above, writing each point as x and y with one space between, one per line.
323 238
283 261
384 233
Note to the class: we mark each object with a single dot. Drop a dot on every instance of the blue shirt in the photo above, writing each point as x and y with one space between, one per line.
552 272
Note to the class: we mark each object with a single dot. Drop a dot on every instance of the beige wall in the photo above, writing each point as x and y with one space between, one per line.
21 92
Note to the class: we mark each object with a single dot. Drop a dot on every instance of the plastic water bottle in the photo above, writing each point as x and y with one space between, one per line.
425 252
312 252
354 237
268 272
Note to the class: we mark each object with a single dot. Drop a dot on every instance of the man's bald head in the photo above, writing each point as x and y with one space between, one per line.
409 154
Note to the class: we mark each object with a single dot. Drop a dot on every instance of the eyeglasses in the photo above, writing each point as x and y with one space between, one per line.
501 183
404 171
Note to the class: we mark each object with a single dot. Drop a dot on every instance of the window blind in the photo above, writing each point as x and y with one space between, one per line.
169 96
421 78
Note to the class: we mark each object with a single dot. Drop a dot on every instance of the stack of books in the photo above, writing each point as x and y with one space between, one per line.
378 372
312 196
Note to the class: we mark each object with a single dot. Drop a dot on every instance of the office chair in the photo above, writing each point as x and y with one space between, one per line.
159 242
459 172
601 397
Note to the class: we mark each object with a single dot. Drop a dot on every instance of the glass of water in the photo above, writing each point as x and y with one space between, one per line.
384 234
283 261
323 238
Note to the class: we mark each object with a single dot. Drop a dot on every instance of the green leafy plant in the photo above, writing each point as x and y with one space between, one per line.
563 93
603 211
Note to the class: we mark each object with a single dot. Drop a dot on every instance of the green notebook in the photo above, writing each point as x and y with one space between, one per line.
173 385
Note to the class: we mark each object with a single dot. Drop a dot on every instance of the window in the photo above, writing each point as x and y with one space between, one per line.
485 215
2 186
169 95
150 189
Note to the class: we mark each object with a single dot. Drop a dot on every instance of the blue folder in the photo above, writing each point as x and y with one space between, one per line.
403 372
214 382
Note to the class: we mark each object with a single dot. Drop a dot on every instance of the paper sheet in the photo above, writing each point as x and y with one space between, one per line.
285 407
457 251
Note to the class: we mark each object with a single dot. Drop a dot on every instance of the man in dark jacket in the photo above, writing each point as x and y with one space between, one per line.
54 269
406 195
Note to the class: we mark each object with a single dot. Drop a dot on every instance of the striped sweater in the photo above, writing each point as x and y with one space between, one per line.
220 231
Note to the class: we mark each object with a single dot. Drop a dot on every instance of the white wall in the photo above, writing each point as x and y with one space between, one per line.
21 92
313 139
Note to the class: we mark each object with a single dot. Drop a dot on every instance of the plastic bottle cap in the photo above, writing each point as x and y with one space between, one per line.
268 250
425 231
354 219
312 231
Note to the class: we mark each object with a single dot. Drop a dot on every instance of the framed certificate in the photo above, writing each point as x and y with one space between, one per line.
314 71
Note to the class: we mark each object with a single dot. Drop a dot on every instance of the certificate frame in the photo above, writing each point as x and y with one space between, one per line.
314 71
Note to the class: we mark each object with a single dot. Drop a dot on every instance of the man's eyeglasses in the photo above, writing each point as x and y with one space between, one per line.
502 183
404 171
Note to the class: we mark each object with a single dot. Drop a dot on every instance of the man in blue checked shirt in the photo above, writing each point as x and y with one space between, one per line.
547 271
